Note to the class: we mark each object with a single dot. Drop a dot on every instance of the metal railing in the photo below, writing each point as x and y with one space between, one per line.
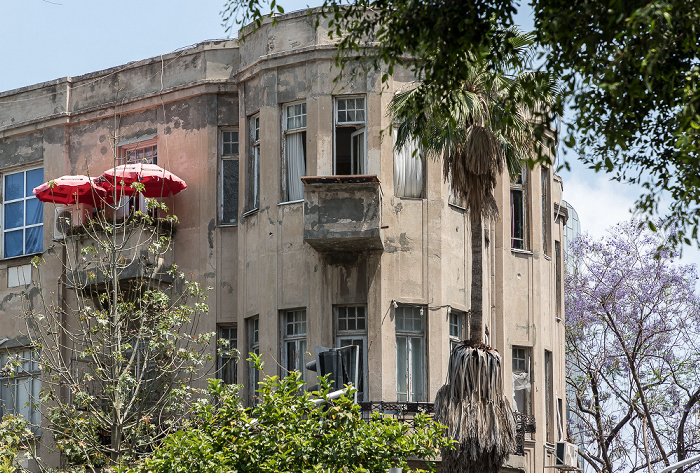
406 411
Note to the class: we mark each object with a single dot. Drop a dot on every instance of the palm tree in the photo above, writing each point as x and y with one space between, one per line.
493 121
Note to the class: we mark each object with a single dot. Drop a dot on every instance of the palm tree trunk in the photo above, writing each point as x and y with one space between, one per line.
476 327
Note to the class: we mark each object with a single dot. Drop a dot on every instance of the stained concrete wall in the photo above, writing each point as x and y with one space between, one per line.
262 266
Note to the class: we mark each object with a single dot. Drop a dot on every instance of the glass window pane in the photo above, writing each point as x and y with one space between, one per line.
14 215
35 240
360 115
417 367
229 191
14 243
35 212
342 116
401 362
14 186
35 178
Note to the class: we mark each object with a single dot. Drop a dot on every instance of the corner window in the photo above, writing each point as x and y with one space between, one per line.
410 354
253 328
522 380
253 165
351 330
409 170
518 212
227 341
228 177
294 121
20 385
23 214
350 140
458 327
294 341
546 213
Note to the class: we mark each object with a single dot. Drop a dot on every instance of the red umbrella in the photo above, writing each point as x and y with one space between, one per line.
70 190
157 182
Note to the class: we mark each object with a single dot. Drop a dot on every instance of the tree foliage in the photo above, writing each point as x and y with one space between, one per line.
633 74
633 365
287 431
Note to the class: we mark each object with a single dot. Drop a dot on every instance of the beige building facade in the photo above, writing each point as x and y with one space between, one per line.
298 212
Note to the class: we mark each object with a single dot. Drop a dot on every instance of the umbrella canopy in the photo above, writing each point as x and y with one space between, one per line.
69 190
157 181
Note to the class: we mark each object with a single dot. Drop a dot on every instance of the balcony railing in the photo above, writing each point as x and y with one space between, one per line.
406 411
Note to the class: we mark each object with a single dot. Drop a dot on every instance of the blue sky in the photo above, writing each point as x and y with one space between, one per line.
45 40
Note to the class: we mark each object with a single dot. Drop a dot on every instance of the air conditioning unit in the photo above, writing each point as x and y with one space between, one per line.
567 456
67 216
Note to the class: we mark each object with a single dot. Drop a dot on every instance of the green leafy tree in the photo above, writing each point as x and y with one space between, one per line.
288 431
118 345
15 439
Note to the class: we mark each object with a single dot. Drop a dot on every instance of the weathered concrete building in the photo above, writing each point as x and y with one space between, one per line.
299 214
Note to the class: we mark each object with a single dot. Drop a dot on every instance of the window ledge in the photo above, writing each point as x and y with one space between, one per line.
29 257
409 198
290 202
249 212
227 225
521 252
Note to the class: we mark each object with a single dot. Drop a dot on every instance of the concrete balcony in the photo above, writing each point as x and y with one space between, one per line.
135 251
343 213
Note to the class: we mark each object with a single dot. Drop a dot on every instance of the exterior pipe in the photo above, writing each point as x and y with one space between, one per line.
687 461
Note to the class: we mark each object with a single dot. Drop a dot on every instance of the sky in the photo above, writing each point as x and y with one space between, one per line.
44 40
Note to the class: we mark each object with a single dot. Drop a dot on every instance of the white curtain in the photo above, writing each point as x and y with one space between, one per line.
521 391
296 165
408 171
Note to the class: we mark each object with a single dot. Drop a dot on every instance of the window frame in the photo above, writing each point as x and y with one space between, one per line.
520 186
546 212
253 343
252 200
24 199
411 394
228 157
360 126
352 335
286 131
461 326
297 340
230 355
21 374
134 203
524 365
416 152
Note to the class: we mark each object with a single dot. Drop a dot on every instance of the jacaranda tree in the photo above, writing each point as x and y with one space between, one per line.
632 340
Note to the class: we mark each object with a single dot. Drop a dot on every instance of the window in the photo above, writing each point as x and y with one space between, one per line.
549 395
351 329
409 169
228 177
349 135
518 212
253 171
20 385
23 214
141 152
294 125
546 213
458 327
522 380
558 277
227 336
253 324
410 354
294 341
